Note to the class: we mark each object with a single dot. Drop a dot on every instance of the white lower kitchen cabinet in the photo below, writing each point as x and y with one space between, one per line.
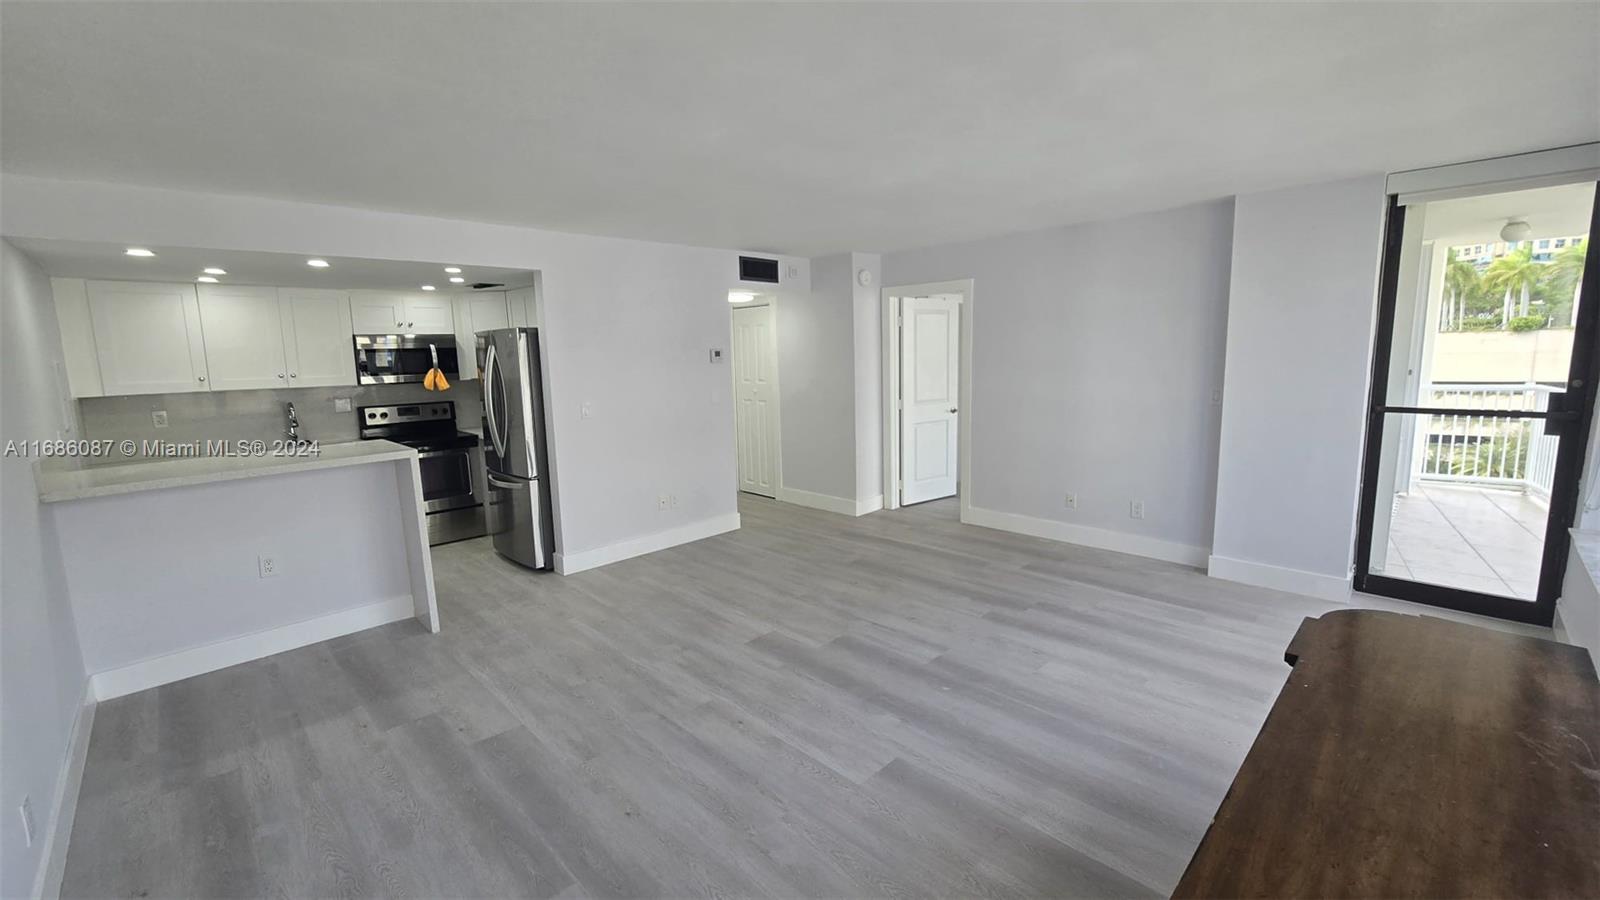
243 337
316 337
147 337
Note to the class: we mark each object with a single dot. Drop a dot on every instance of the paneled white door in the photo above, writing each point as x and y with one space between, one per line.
755 397
930 347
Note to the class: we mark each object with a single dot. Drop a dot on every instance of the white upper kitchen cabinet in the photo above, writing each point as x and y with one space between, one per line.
316 337
523 307
147 337
377 312
383 312
482 311
429 314
243 337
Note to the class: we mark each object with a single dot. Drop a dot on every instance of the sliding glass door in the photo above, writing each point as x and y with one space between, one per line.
1482 394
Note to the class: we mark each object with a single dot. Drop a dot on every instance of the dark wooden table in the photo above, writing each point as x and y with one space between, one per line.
1409 756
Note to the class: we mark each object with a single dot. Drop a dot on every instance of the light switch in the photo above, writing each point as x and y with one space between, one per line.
586 411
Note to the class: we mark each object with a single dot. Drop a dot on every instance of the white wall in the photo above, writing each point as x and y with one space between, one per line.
627 329
816 371
869 378
1096 350
1300 324
41 669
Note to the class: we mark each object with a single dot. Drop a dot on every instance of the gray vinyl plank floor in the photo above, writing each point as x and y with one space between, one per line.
897 705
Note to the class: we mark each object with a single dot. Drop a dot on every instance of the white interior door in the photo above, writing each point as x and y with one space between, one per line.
755 392
930 331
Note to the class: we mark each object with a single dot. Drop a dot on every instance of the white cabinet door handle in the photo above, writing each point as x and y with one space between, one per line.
280 374
293 375
202 378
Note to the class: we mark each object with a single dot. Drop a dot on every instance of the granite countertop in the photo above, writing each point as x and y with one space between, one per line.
60 481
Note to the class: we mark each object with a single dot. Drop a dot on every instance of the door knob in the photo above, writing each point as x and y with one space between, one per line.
952 409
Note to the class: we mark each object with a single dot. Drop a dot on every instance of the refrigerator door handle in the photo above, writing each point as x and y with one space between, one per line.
496 481
489 368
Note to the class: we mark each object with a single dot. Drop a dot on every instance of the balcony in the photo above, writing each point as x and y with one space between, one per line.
1472 514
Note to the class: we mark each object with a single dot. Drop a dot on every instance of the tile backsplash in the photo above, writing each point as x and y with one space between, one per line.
259 415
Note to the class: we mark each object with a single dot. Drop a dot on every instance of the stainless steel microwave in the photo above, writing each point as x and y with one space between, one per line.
402 358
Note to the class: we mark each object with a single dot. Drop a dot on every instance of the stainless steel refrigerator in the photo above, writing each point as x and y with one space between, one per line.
518 503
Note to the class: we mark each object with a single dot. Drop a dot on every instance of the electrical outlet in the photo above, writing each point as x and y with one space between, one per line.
716 354
674 501
586 411
159 418
1216 398
1136 509
1072 501
26 811
341 404
663 501
268 566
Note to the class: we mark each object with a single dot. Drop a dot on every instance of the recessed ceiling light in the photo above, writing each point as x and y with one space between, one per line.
213 270
740 296
457 280
428 287
453 270
317 263
139 251
206 279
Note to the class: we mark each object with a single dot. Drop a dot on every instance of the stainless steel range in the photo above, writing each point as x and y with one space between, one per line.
450 460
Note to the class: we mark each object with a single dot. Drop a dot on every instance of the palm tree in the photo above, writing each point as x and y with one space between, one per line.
1460 279
1566 272
1516 271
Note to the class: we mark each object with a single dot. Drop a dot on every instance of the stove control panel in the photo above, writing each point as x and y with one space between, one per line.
430 411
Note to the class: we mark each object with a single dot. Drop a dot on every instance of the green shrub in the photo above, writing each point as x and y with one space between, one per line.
1527 323
1492 324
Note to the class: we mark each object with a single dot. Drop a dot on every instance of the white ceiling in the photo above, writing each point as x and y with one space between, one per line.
1551 212
800 128
78 259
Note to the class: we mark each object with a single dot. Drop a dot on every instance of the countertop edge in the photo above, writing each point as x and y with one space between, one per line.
288 466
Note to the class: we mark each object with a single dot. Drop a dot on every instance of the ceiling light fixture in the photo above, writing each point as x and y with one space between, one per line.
317 263
428 287
206 279
457 279
452 270
139 251
213 270
1515 230
740 296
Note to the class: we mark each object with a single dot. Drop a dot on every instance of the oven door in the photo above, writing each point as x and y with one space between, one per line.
448 481
400 359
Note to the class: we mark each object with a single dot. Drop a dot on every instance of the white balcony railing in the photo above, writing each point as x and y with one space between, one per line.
1489 450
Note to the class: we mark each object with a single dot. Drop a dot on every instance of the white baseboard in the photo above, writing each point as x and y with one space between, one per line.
573 563
161 670
1278 578
64 807
1099 538
844 506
